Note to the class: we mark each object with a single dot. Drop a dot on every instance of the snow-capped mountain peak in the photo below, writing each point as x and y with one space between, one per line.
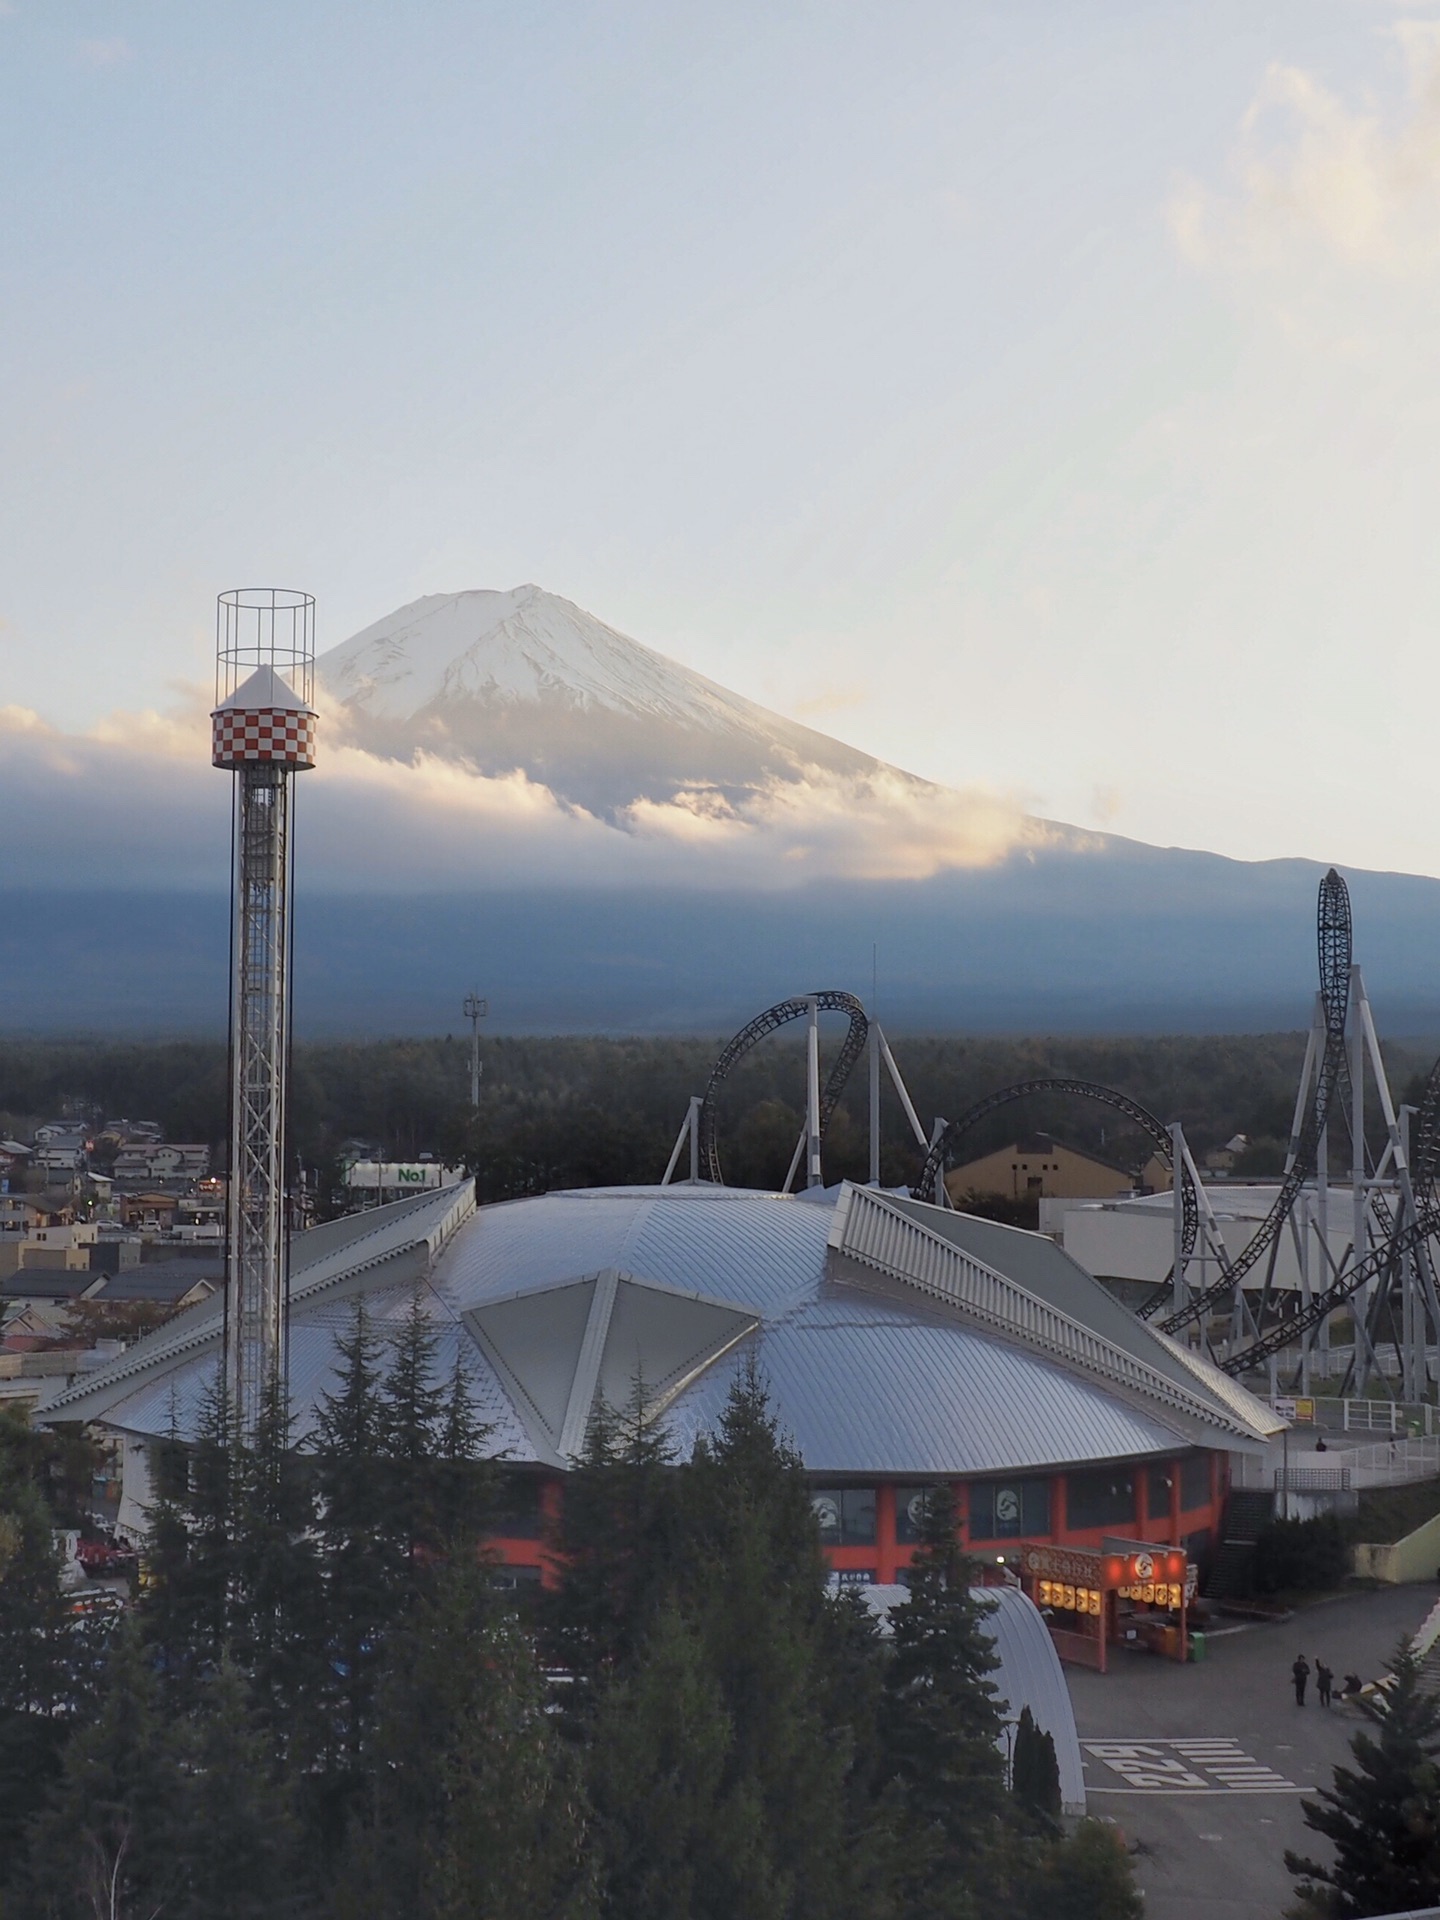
512 647
524 679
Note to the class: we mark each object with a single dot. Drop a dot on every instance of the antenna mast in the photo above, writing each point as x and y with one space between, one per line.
475 1010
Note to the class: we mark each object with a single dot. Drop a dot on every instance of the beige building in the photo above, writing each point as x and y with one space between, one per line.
1039 1166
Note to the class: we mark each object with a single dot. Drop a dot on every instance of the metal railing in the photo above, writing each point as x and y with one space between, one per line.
1390 1463
870 1230
1394 1462
1311 1479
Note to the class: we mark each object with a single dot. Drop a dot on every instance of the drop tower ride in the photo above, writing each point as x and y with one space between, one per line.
263 734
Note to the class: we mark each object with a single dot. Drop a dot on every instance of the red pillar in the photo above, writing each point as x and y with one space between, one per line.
885 1533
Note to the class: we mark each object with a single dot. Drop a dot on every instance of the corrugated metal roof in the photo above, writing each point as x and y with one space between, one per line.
907 1246
318 1260
180 1391
1047 1271
869 1386
864 1381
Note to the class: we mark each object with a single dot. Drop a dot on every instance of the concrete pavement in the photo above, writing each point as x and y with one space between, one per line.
1205 1766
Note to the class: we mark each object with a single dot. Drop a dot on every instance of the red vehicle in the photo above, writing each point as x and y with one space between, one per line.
104 1559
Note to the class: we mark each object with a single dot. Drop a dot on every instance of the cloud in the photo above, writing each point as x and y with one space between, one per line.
113 52
134 802
1357 186
1106 802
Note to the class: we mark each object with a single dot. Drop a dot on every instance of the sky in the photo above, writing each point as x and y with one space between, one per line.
1042 398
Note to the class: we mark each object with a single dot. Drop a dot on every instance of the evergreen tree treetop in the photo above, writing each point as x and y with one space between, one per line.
1381 1816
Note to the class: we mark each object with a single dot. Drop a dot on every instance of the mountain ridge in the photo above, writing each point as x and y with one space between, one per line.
526 680
656 854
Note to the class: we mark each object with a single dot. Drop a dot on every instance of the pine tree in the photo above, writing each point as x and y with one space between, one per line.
210 1502
237 1845
412 1419
672 1827
1381 1816
942 1721
1035 1770
357 1559
165 1561
110 1842
471 1808
617 1540
279 1629
41 1682
466 1485
33 1652
753 1583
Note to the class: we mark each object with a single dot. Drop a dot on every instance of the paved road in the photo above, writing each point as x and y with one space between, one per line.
1224 1756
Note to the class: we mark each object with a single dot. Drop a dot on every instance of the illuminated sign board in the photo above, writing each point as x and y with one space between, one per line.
1160 1566
1159 1575
1064 1598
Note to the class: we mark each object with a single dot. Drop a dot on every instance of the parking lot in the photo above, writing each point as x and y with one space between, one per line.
1205 1766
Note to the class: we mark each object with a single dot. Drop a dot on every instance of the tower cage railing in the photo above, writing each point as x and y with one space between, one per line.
265 627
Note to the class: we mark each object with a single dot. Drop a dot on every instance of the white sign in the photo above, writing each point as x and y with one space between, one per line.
400 1176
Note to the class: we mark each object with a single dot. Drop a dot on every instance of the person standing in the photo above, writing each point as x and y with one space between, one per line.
1324 1680
1300 1673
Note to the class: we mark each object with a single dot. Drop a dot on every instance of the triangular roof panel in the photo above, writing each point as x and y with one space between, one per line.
264 691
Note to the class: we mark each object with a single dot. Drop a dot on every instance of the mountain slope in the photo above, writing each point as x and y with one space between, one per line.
527 680
674 858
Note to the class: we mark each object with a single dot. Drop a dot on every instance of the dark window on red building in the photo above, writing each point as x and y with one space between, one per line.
1103 1499
910 1504
1006 1509
1157 1488
1195 1481
514 1579
520 1516
845 1516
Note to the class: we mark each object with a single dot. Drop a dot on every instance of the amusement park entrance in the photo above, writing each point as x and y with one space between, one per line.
1128 1591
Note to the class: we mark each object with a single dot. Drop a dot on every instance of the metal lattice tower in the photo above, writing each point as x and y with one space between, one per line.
264 734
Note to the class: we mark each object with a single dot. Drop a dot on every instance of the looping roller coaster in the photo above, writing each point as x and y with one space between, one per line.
781 1015
1387 1269
942 1149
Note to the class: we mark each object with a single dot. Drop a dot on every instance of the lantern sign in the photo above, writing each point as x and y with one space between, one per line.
1124 1573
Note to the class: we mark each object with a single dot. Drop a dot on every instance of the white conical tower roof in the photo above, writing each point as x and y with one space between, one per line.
264 692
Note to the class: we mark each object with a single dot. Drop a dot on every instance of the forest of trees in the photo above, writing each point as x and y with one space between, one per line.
584 1112
321 1708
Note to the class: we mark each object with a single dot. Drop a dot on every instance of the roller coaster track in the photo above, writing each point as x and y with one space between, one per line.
1333 941
1425 1154
750 1035
945 1143
1402 1241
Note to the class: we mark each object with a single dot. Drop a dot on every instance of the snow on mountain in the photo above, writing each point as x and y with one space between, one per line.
512 647
525 680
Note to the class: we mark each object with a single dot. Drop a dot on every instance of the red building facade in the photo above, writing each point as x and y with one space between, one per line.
869 1528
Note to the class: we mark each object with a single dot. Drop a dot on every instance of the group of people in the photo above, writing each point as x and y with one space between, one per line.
1324 1681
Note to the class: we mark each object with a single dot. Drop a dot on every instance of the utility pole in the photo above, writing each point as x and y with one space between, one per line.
475 1010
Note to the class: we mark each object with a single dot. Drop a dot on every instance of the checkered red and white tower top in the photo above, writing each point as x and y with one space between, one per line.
263 721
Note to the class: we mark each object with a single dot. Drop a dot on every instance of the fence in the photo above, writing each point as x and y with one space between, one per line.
1369 1416
1311 1479
1394 1462
1390 1463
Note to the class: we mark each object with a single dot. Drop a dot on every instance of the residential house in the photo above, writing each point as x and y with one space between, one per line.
162 1160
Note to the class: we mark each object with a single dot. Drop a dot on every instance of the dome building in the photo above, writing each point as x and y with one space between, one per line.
902 1344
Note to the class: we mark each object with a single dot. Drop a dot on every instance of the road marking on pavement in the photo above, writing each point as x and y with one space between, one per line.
1186 1766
